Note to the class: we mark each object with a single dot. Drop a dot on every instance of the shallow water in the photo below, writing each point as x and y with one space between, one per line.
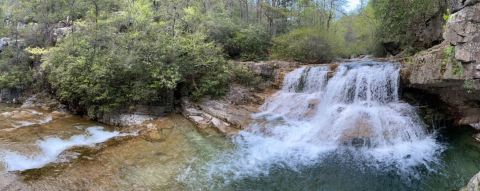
279 153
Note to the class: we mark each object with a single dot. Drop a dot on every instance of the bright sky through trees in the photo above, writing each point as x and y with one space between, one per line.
352 4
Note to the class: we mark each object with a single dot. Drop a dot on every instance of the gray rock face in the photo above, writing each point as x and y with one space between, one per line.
457 83
214 114
139 114
12 95
124 117
462 31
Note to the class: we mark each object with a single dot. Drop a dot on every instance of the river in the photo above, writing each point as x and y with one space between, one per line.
346 131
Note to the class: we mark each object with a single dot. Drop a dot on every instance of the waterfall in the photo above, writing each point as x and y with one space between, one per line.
356 112
301 91
359 105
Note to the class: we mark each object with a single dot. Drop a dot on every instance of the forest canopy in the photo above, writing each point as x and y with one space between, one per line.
117 53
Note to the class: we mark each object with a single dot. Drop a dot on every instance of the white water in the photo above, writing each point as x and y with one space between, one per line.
52 147
356 112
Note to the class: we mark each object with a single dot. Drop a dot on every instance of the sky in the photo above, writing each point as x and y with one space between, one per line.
352 4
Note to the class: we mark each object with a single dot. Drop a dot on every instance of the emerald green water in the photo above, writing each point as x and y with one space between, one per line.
341 170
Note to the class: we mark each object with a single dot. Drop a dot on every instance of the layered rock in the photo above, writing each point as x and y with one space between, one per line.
233 111
453 75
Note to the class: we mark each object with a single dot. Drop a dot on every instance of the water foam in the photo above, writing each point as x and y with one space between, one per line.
52 147
357 111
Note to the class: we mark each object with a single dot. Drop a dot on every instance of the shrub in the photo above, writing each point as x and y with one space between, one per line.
252 43
304 45
245 77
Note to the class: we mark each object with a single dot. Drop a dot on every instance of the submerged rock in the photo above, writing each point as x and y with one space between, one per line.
155 130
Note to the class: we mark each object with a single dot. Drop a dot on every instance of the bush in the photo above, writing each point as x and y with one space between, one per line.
249 44
120 70
245 77
303 45
15 68
252 43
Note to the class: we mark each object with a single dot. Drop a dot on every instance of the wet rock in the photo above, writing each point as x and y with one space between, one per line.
272 72
46 102
473 185
476 138
9 182
125 120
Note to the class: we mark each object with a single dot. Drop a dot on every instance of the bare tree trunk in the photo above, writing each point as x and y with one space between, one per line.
331 13
274 20
174 17
259 11
246 10
72 3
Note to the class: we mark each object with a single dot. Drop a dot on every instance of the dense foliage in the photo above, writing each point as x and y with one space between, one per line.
111 54
401 19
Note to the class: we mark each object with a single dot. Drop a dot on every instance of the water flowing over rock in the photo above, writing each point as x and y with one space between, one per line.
353 106
355 112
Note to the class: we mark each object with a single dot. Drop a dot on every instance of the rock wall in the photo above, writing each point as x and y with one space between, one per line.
454 76
138 114
12 95
123 117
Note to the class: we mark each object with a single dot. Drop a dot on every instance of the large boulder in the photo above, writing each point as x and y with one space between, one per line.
461 31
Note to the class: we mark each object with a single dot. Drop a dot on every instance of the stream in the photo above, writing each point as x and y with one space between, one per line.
347 131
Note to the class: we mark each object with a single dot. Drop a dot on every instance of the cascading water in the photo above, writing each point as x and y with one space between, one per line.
356 114
325 130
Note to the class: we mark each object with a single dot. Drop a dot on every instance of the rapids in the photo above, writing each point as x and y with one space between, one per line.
325 130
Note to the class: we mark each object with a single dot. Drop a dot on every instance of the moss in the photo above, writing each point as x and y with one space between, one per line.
35 174
468 85
457 67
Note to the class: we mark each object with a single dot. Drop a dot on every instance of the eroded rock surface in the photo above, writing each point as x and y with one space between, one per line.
233 112
455 77
9 182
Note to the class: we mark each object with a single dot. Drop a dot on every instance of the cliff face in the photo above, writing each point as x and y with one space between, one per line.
452 69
